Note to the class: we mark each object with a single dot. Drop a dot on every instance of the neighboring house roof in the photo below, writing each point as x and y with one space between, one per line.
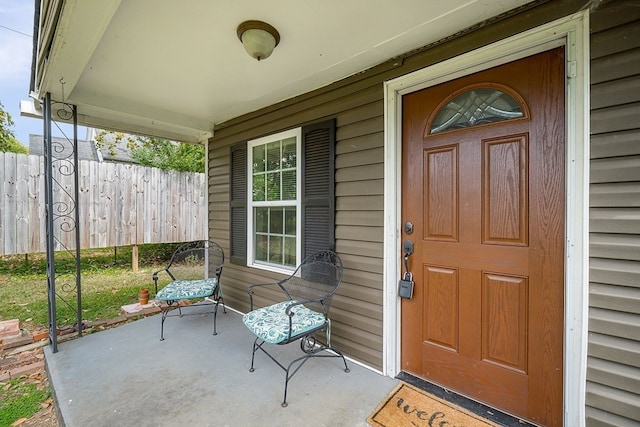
63 148
87 149
110 148
118 153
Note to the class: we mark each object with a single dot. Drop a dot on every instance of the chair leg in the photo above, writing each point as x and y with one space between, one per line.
224 307
339 354
165 312
170 305
289 375
215 317
309 347
303 359
253 352
218 300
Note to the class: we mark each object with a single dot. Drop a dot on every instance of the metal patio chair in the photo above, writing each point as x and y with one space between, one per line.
303 312
195 270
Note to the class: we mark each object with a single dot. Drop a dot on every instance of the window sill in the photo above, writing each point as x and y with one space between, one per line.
273 268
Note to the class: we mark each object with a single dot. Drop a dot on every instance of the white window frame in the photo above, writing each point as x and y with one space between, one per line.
251 205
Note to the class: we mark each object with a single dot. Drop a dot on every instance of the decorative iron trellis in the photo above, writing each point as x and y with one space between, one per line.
62 214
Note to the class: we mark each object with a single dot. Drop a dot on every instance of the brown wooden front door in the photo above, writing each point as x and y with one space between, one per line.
484 185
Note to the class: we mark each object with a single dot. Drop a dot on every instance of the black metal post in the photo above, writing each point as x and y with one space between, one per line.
48 190
77 218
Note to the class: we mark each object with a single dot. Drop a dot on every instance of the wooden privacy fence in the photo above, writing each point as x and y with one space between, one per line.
120 205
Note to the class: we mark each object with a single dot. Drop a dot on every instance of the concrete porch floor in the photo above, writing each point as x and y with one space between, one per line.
126 376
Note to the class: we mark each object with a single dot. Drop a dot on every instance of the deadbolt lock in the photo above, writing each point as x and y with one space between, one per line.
408 227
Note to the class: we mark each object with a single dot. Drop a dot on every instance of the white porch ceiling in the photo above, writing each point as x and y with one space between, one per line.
175 69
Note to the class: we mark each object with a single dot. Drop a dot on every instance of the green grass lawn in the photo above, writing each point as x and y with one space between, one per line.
20 398
107 283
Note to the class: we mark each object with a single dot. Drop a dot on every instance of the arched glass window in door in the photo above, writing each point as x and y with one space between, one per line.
475 107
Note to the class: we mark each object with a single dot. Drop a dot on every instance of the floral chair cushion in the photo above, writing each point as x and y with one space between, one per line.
188 289
271 323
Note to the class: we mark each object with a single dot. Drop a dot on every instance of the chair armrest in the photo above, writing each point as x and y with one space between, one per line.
290 307
251 288
154 276
289 312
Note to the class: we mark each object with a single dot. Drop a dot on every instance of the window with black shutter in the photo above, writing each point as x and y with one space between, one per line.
268 213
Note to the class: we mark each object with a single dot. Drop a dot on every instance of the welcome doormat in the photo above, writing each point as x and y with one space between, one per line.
407 405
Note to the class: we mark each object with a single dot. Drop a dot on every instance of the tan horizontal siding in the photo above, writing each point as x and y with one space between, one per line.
218 224
217 175
360 143
364 115
360 203
614 220
611 374
360 173
618 39
615 323
609 94
368 355
597 418
361 293
620 402
367 317
363 234
359 222
615 272
366 218
614 349
618 195
363 263
610 17
618 66
362 278
613 366
620 298
223 215
366 127
362 338
362 312
615 144
359 188
618 118
357 248
615 169
620 246
359 158
216 189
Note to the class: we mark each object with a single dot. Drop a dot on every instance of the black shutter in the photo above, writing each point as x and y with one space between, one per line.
318 187
238 204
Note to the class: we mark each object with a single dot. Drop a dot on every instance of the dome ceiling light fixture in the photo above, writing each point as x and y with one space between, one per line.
258 38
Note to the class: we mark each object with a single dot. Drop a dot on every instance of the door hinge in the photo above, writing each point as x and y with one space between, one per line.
572 69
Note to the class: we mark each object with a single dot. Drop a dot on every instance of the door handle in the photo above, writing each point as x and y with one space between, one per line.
405 286
407 246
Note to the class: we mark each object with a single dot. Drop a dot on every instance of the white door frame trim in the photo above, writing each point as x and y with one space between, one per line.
573 33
